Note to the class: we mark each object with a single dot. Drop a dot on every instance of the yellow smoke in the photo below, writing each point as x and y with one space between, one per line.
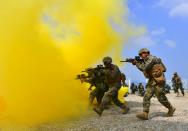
44 44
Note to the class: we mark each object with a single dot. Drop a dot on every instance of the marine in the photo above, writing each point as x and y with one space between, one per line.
141 90
153 69
133 88
96 79
113 78
177 84
167 89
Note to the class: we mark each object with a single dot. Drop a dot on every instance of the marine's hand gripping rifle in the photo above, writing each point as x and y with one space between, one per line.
81 77
89 70
131 60
91 75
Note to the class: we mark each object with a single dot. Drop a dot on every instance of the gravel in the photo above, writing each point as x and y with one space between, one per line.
113 120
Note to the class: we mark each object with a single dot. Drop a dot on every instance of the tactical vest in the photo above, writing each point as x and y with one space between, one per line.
177 80
156 72
115 79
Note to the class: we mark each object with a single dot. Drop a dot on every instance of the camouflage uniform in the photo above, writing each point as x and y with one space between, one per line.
152 86
123 79
113 79
141 89
177 84
98 93
133 88
96 79
167 89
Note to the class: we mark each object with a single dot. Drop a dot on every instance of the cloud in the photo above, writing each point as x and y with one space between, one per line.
170 3
170 43
179 10
158 32
150 38
153 38
145 40
176 8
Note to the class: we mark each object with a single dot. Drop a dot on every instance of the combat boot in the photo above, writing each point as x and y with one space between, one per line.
171 112
98 111
143 116
125 109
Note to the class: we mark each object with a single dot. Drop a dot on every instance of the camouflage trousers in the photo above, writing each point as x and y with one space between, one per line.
112 95
98 94
154 88
141 92
177 87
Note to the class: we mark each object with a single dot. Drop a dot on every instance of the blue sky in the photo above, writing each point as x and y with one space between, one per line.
166 22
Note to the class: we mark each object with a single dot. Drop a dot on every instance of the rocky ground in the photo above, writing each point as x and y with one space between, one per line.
113 120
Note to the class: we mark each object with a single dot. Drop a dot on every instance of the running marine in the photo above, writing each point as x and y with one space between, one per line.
113 78
153 69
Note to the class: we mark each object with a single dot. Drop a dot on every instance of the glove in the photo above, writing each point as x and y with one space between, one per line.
134 62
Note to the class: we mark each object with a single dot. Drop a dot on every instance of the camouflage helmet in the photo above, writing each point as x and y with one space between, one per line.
175 73
143 50
107 60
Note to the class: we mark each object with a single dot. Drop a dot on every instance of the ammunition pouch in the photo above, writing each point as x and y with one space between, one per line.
158 73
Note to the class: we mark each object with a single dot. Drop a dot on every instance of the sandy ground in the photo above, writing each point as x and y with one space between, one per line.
113 120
